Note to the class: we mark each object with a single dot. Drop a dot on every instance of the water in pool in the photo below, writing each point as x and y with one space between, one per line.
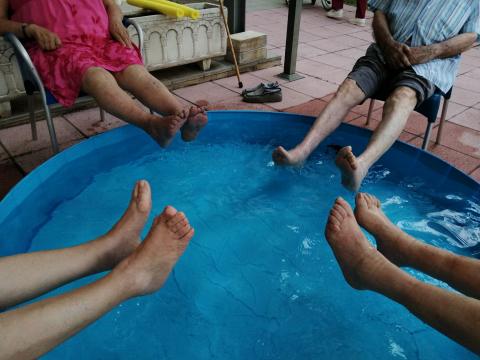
258 280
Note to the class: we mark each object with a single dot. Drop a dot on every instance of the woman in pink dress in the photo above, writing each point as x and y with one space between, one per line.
83 45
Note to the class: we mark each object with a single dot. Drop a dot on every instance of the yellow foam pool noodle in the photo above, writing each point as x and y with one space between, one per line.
190 12
157 6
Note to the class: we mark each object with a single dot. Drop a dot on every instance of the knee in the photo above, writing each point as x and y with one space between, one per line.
349 92
403 94
95 75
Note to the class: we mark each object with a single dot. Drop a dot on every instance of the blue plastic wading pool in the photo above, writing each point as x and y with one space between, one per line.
258 280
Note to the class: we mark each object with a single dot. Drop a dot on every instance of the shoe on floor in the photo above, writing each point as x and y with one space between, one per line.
271 85
358 21
263 94
335 14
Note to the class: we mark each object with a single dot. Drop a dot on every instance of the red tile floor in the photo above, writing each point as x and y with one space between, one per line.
327 50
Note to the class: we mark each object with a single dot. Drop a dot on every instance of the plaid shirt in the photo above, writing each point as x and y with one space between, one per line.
426 22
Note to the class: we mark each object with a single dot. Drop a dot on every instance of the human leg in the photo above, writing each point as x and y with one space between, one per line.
460 272
361 9
396 111
32 274
104 88
337 10
153 94
347 96
33 330
365 268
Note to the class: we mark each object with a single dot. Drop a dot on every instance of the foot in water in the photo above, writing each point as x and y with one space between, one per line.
353 171
124 237
392 242
163 129
358 259
280 156
148 267
196 121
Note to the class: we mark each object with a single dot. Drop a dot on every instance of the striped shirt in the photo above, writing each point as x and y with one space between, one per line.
426 22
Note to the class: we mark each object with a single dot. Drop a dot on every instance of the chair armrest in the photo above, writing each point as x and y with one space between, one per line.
30 76
131 22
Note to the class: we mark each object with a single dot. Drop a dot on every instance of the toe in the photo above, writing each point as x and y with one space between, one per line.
179 217
167 213
344 206
144 196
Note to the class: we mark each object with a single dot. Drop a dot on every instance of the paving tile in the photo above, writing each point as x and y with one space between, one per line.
319 30
18 139
89 123
469 118
329 45
235 104
353 53
335 60
31 160
465 68
305 37
459 138
474 52
312 108
459 160
311 86
362 109
10 176
308 51
453 109
314 68
475 72
416 123
290 98
464 97
270 74
468 83
336 76
208 91
345 28
366 35
231 83
476 174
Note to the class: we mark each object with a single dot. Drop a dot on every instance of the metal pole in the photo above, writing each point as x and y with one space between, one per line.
236 15
293 29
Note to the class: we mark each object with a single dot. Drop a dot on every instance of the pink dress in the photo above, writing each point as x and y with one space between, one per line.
82 26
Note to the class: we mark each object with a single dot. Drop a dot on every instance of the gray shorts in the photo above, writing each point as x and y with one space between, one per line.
372 75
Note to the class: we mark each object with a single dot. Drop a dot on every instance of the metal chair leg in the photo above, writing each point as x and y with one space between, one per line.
442 121
370 110
31 110
51 127
102 115
426 139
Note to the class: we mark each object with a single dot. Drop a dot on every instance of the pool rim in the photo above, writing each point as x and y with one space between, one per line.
36 177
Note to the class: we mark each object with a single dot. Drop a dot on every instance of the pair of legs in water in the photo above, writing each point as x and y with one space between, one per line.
378 269
397 109
142 268
109 90
136 269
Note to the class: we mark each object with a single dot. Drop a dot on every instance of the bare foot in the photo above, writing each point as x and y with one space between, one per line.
196 121
124 237
149 266
163 129
353 171
357 258
392 242
283 157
